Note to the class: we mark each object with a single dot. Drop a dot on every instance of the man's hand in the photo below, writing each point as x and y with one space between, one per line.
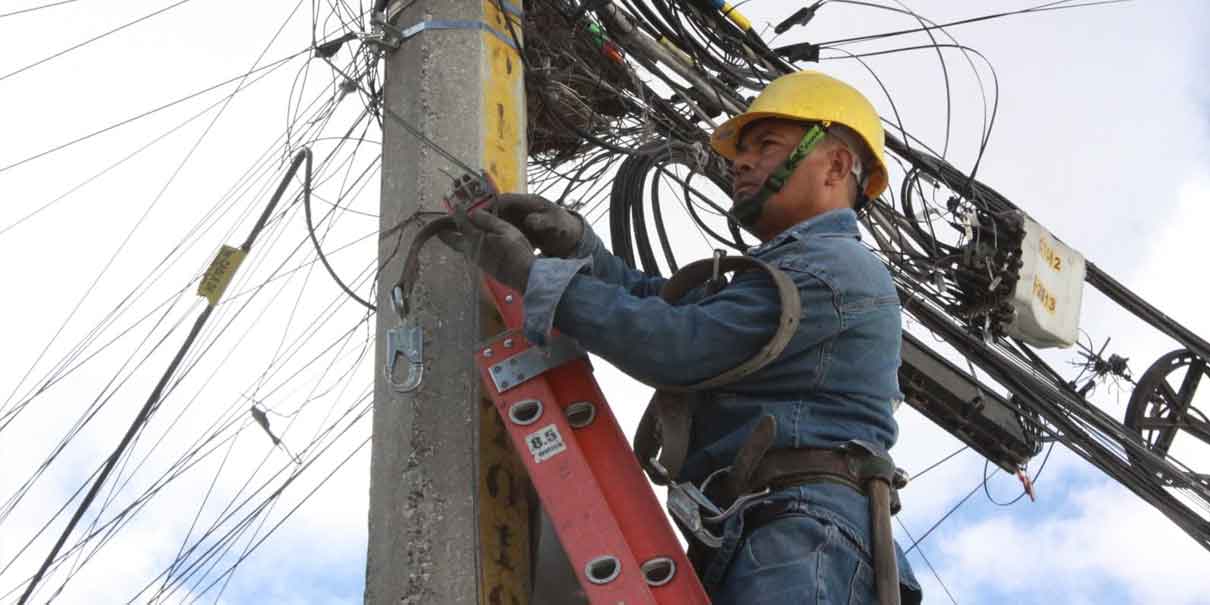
498 248
552 228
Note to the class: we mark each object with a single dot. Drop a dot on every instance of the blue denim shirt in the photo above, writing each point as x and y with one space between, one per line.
834 382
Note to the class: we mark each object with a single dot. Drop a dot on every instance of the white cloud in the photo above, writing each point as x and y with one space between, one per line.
1102 540
1170 270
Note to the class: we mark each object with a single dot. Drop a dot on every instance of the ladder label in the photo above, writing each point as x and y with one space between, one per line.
545 443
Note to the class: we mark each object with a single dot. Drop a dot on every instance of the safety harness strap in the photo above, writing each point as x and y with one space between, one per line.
700 272
665 426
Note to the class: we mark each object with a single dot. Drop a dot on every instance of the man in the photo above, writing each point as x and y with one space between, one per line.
806 153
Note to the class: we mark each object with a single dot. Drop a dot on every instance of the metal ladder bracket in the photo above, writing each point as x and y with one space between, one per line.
533 362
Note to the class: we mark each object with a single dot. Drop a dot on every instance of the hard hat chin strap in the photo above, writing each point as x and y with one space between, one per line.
748 210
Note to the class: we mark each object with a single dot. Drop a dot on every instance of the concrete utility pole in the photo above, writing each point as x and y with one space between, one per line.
449 508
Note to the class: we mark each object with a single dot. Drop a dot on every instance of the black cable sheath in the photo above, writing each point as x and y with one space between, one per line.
153 400
323 258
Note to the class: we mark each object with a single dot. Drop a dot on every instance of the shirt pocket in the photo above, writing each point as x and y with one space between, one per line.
818 291
864 287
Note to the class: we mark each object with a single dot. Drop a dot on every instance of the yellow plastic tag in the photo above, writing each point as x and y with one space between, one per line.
219 275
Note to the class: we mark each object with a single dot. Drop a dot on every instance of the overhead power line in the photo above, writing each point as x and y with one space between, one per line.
90 40
35 8
153 111
157 392
1050 6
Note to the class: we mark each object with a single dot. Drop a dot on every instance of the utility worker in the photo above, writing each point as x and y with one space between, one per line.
783 442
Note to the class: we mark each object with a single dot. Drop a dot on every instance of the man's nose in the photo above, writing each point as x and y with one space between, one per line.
744 163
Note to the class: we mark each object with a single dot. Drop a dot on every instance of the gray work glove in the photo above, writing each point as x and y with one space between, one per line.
552 228
498 248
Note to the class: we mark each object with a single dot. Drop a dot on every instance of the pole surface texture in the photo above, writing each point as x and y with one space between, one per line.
448 519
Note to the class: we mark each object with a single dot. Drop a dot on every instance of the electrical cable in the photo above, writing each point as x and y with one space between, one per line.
295 349
124 513
178 382
916 254
36 8
1024 492
1051 6
314 241
121 161
230 198
947 514
940 462
153 399
928 563
101 403
90 40
149 112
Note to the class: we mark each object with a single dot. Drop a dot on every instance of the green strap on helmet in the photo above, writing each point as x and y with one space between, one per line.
748 210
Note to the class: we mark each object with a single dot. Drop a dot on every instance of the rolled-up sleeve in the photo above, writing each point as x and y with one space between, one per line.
548 279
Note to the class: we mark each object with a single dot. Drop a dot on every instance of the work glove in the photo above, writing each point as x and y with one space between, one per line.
552 228
498 248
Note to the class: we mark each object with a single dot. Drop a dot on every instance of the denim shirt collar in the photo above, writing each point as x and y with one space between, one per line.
839 221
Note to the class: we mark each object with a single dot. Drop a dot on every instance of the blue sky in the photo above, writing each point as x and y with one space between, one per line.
1100 135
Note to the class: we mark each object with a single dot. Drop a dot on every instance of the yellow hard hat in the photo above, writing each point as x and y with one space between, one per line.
815 97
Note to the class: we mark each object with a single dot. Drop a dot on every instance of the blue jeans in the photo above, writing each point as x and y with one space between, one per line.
810 555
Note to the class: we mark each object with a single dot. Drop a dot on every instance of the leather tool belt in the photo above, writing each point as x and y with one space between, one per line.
862 466
849 466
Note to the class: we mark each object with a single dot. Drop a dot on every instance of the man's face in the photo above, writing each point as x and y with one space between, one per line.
821 181
763 147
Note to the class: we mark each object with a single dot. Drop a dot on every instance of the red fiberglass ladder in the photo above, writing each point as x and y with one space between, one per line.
613 529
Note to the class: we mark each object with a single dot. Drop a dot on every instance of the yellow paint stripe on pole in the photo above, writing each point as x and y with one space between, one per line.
504 522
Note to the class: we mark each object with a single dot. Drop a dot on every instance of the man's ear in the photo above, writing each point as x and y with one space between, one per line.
840 164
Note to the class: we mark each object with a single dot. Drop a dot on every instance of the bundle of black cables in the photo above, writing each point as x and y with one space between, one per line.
627 209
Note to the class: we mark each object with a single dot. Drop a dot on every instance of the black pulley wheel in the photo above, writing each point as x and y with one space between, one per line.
1162 405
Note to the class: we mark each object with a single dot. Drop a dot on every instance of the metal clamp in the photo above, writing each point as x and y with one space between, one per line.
686 507
391 36
687 502
386 34
406 340
534 362
718 516
382 33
